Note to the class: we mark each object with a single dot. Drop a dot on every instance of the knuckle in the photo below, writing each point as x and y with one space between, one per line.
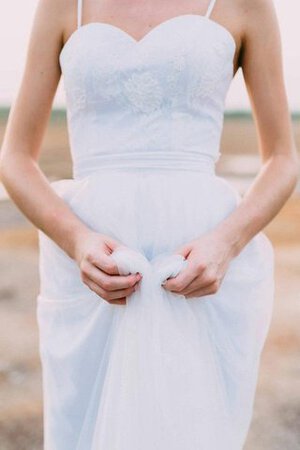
215 287
210 280
210 277
102 294
106 284
200 266
81 273
84 270
90 257
85 280
110 267
110 295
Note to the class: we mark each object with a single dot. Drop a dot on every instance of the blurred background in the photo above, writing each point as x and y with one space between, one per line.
276 421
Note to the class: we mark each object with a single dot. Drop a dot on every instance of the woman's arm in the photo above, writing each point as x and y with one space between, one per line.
25 182
20 173
261 62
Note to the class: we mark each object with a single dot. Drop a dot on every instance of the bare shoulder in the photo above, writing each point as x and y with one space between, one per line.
54 11
259 17
55 18
257 7
32 106
257 28
249 21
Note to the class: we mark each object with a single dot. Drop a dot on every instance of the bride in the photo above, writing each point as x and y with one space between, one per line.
156 279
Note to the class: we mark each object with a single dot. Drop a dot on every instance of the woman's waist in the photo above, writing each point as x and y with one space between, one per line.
187 160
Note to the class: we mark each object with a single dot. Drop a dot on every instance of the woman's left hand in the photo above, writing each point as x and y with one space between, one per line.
208 259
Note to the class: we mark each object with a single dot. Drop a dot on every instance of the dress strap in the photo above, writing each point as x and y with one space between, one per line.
79 13
210 8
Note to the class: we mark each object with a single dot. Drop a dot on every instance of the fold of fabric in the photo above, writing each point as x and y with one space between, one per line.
162 388
162 372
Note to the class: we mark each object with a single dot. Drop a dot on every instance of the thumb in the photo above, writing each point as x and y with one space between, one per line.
111 244
184 250
104 261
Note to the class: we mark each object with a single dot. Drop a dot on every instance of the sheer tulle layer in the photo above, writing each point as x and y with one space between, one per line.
162 372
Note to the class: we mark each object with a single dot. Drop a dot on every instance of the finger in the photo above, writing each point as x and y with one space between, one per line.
112 295
112 244
198 283
103 262
109 295
182 280
109 282
118 302
184 250
208 290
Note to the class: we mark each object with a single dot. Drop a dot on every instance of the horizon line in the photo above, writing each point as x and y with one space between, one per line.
59 112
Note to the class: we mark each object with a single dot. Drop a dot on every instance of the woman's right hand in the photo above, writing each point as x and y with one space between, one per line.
99 271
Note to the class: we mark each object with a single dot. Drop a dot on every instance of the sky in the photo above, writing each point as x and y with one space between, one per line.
15 26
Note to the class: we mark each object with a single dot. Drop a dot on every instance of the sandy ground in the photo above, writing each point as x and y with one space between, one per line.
276 418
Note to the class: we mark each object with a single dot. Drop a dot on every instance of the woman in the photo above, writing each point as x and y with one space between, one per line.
166 358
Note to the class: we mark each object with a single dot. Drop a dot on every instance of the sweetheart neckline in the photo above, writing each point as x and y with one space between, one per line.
149 33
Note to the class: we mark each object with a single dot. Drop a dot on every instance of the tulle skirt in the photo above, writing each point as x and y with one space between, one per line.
162 372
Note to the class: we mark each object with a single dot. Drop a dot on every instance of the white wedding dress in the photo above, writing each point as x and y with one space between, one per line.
162 372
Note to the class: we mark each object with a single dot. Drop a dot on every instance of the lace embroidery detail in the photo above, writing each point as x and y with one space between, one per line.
166 94
143 92
76 96
213 74
174 80
75 87
106 86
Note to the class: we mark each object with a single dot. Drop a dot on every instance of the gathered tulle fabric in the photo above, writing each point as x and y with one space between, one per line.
162 384
162 370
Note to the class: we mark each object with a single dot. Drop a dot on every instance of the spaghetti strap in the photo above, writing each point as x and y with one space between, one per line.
210 8
79 13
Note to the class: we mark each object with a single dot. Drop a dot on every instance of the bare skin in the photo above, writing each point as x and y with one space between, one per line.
254 27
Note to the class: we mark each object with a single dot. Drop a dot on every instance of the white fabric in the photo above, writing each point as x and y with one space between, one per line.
125 97
162 372
152 335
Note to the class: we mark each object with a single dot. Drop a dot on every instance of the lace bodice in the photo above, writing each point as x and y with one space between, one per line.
154 102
